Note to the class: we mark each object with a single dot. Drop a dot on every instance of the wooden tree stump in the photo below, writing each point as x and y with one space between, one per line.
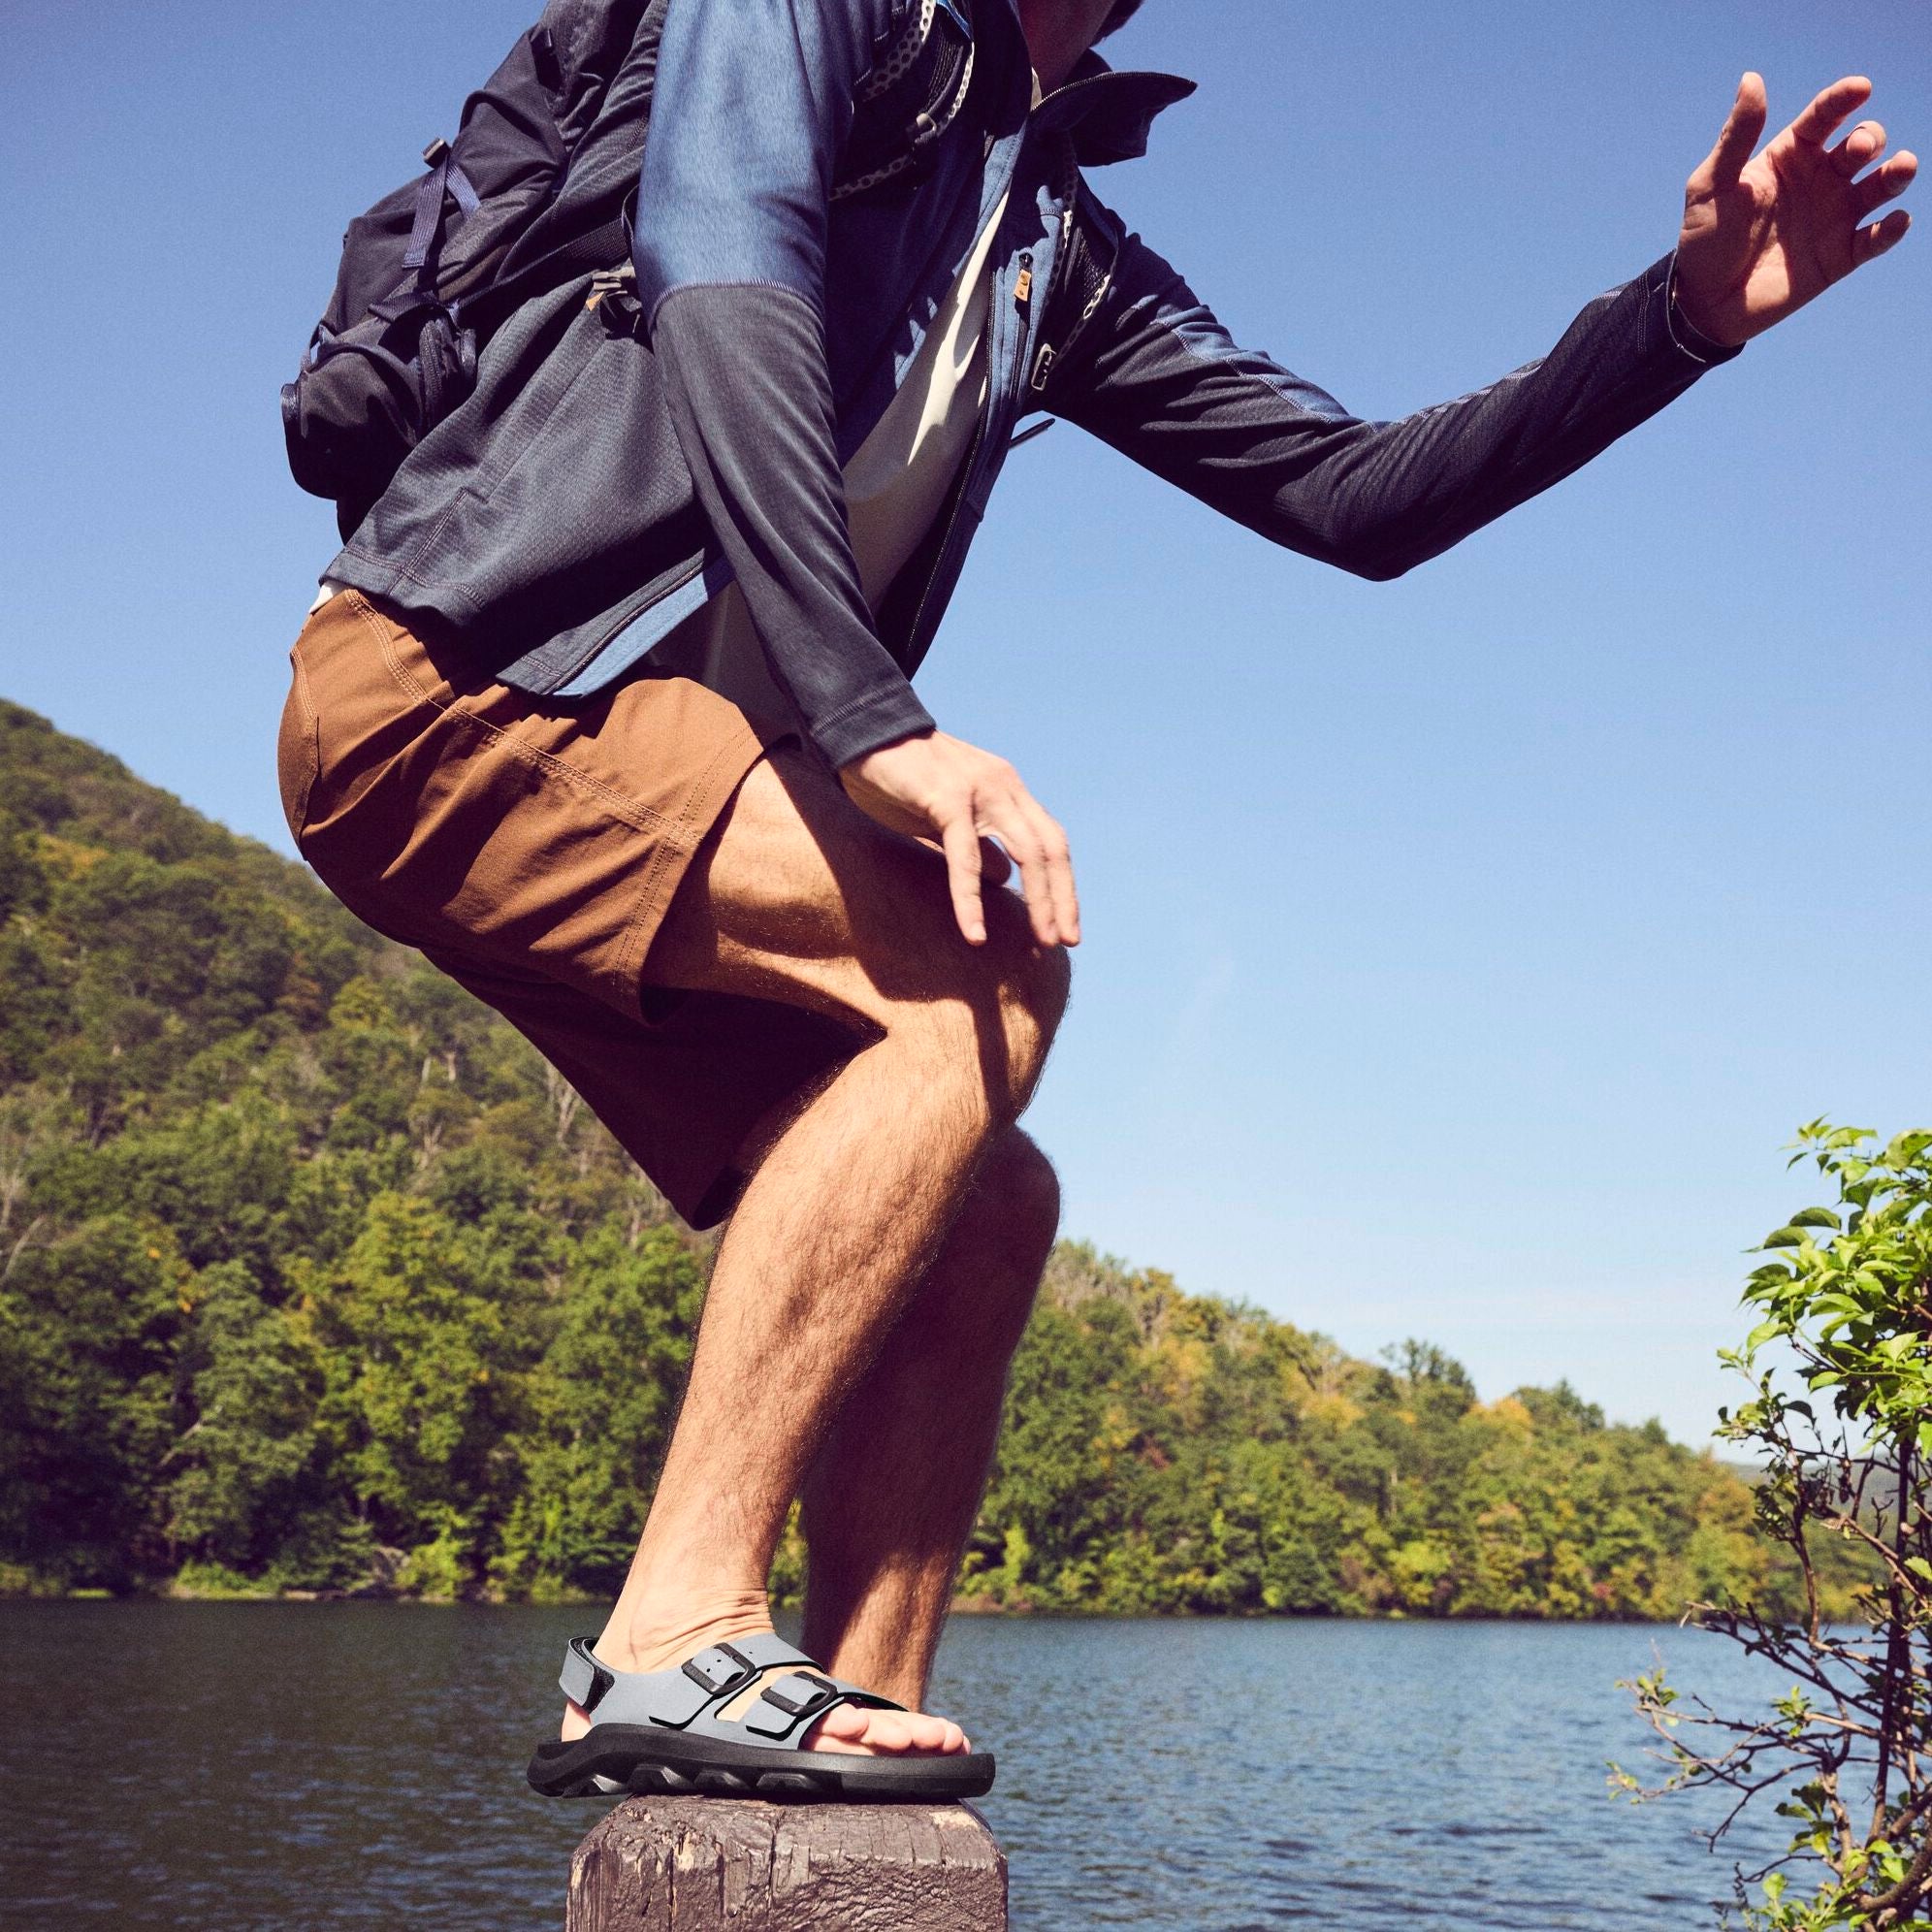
746 1865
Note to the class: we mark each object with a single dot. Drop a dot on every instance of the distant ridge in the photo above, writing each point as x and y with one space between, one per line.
315 1277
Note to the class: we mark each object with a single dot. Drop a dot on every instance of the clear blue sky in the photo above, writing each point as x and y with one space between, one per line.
1462 950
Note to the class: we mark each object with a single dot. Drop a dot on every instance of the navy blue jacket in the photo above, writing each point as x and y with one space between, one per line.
601 484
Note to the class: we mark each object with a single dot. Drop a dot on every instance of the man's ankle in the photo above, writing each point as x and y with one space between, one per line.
660 1635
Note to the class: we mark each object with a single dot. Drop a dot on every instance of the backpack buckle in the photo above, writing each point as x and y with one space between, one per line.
613 299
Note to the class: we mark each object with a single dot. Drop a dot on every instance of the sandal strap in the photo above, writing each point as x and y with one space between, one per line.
786 1707
674 1698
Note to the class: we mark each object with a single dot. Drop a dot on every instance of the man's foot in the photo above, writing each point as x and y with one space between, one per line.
844 1727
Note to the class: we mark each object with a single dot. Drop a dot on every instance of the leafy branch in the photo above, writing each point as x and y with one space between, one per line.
1845 1303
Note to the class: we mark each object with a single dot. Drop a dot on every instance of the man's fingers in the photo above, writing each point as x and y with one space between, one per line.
1883 184
1858 149
961 844
995 867
1741 131
951 795
1830 107
1053 876
1038 846
1009 821
1878 236
1059 861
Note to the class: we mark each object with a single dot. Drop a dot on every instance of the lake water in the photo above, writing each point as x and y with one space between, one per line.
272 1766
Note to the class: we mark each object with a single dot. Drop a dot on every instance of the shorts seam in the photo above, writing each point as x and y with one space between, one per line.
640 817
630 966
304 701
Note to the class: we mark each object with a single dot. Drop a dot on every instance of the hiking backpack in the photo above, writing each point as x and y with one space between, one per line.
436 268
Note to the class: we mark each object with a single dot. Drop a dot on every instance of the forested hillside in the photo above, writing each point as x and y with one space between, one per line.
312 1277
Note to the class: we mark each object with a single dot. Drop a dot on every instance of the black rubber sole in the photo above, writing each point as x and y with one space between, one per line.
651 1759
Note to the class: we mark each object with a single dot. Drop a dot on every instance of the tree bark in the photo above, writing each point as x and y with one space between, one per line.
748 1865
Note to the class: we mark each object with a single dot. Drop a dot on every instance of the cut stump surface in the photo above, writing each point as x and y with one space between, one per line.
746 1865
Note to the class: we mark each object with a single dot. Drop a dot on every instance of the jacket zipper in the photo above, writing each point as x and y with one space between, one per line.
1042 363
1022 290
1022 295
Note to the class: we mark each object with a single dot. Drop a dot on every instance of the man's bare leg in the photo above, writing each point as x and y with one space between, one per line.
798 896
891 1501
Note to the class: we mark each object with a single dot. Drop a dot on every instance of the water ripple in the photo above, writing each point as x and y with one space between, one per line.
247 1765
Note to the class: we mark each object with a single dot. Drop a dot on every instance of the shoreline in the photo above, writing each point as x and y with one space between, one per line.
961 1606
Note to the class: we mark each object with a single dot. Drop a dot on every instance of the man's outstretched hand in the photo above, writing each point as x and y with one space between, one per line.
1763 233
955 796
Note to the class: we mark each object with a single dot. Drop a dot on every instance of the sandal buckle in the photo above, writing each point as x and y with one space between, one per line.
820 1692
714 1682
584 1686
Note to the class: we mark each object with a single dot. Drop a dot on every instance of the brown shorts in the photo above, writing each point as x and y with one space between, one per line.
529 847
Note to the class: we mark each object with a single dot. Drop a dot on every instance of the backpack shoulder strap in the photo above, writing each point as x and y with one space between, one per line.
915 92
602 247
912 95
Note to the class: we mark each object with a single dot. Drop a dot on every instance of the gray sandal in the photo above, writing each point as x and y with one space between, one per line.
667 1730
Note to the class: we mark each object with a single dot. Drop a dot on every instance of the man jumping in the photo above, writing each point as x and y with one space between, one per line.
605 707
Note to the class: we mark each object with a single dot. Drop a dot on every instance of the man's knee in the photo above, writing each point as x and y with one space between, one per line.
1024 1190
1009 1221
804 892
1031 1024
1023 992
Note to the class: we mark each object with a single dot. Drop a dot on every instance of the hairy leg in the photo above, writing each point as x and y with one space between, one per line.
798 896
891 1501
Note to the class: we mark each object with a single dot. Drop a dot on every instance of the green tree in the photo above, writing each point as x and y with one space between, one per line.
420 1347
313 1275
88 1328
599 1408
1847 1302
243 1465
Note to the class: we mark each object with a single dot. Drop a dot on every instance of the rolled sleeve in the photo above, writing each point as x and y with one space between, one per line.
752 104
1160 379
1688 338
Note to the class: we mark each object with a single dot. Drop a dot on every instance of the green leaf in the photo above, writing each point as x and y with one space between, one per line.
1815 1218
1835 1304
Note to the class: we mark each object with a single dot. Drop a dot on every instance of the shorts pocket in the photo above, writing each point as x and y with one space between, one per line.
298 748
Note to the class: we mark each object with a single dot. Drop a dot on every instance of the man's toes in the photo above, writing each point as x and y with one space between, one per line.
892 1730
850 1727
933 1733
914 1731
842 1728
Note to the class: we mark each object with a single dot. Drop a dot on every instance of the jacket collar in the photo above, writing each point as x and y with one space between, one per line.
1108 114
